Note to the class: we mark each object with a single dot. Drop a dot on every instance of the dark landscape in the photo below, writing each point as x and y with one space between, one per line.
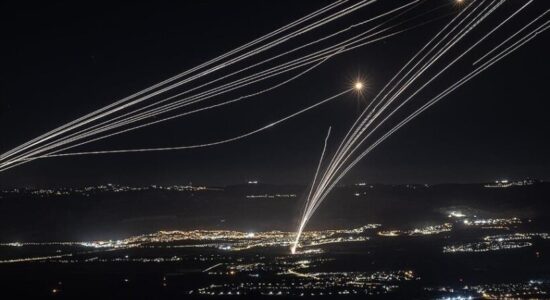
398 254
348 149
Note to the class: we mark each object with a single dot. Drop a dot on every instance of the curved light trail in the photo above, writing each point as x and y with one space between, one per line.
447 39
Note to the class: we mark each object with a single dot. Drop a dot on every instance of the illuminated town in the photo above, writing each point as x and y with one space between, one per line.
260 263
219 239
505 183
349 261
275 149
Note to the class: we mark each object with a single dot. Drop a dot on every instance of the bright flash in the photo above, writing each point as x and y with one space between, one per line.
358 85
293 250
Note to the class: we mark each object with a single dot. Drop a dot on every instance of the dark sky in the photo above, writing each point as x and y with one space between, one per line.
62 59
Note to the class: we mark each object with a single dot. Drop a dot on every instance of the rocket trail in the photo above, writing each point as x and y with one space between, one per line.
414 94
258 40
299 233
344 154
224 141
149 114
434 100
368 120
318 166
83 134
340 159
345 141
434 77
166 119
449 37
509 38
117 105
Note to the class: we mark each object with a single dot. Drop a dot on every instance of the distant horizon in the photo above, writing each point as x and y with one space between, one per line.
259 182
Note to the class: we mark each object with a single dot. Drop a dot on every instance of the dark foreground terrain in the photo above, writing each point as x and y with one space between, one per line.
389 242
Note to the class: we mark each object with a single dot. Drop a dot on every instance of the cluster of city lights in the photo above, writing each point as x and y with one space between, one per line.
427 230
104 188
227 240
505 183
498 242
499 222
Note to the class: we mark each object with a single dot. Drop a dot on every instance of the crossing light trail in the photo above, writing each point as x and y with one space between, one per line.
344 154
183 74
355 7
224 141
398 93
269 63
125 102
434 100
355 145
348 45
361 120
316 56
217 105
71 139
227 102
340 156
510 37
52 154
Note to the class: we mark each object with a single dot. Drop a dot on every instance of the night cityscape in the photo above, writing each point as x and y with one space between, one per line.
365 149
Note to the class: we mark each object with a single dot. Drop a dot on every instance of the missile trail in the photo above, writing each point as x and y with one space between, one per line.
357 136
224 141
27 155
336 181
256 41
70 140
340 159
299 233
411 96
94 116
434 100
365 124
422 87
283 54
509 38
176 116
318 167
356 125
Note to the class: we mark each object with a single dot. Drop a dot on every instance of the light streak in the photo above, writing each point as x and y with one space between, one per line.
510 37
254 42
224 141
342 150
340 164
28 156
187 113
439 53
105 111
212 267
357 124
308 199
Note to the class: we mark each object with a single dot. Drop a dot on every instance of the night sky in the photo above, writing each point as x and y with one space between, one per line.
63 59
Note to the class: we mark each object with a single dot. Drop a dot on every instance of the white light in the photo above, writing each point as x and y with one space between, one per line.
358 85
